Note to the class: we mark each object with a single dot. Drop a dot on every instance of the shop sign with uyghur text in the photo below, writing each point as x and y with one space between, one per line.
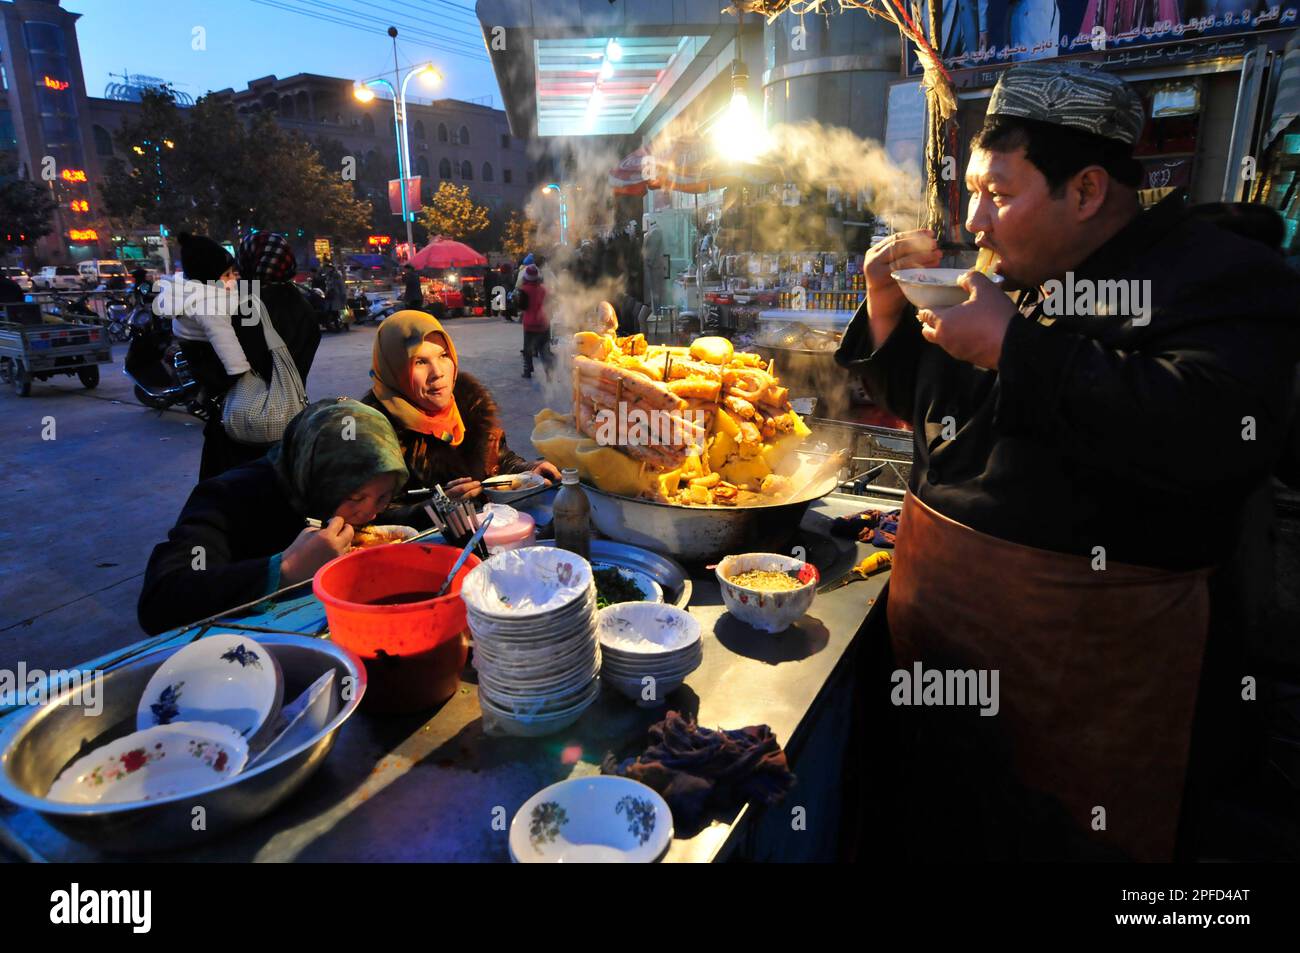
976 33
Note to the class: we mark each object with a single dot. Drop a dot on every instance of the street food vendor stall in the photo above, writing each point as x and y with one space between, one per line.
475 771
429 786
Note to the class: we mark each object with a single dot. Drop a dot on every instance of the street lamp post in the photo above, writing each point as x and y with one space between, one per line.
365 95
564 211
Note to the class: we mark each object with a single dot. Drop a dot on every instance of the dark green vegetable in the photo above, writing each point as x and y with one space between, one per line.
613 587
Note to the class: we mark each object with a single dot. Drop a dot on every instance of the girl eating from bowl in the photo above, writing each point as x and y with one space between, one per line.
241 535
446 420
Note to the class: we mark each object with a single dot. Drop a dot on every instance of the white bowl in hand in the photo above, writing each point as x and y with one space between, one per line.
934 287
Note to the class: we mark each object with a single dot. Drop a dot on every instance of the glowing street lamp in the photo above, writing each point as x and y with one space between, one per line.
430 76
564 210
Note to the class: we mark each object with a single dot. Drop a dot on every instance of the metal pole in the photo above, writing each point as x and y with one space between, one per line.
399 125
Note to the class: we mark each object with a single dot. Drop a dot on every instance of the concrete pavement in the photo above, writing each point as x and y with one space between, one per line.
81 512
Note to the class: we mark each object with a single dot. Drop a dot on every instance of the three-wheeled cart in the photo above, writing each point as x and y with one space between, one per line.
31 349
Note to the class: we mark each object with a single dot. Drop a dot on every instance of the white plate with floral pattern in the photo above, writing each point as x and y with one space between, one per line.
230 679
163 761
592 820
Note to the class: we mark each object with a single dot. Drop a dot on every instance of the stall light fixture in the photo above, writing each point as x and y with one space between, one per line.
739 133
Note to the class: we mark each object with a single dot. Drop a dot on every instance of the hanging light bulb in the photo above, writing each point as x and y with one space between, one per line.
739 133
613 50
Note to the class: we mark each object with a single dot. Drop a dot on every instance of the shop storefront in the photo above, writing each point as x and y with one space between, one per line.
1208 79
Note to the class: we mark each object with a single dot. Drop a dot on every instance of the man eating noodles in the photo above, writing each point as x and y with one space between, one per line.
1078 452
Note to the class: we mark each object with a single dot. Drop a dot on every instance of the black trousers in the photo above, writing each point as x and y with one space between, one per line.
538 344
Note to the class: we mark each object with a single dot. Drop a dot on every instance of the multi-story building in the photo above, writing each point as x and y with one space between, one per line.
450 140
64 137
45 121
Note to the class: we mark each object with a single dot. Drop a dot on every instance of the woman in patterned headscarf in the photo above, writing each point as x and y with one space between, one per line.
445 419
267 258
241 535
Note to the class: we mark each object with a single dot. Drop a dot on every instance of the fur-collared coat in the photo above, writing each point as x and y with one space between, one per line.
483 452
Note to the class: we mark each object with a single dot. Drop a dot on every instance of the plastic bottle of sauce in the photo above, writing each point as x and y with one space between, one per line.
572 514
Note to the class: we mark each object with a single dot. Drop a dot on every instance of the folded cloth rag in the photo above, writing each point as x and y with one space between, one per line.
870 526
699 770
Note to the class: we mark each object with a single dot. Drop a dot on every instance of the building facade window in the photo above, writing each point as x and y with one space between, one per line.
444 169
464 135
442 132
467 171
422 166
505 140
419 129
487 172
506 176
368 125
103 141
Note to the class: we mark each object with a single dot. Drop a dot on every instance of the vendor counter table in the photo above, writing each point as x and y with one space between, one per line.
427 787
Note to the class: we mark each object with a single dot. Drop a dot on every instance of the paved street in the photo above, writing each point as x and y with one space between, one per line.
83 511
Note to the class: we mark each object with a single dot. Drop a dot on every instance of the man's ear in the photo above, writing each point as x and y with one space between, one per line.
1088 190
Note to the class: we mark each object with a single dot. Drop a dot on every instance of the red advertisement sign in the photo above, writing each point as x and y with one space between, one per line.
412 195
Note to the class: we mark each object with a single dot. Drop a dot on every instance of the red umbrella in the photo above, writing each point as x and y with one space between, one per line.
445 253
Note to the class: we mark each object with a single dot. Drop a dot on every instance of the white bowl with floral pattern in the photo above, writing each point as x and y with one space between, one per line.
595 819
768 610
163 761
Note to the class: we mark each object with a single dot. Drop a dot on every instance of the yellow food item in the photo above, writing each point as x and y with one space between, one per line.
669 483
557 439
694 426
609 469
698 495
765 580
747 473
594 346
712 350
727 424
724 446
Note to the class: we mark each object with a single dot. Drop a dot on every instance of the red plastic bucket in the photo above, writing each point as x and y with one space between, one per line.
413 651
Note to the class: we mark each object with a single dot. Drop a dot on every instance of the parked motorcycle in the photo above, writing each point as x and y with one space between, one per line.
156 365
329 319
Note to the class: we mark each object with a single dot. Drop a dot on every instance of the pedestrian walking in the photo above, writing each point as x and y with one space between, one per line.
537 326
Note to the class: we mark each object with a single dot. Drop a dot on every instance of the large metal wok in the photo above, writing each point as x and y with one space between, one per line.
702 534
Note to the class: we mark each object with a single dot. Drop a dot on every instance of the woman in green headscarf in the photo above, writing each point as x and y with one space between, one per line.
241 535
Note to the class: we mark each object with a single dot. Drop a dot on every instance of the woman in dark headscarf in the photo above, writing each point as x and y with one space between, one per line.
268 259
241 535
446 420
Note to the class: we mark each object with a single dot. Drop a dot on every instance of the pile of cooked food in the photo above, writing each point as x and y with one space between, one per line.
723 431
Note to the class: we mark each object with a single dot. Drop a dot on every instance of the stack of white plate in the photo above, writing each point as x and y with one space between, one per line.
647 649
532 613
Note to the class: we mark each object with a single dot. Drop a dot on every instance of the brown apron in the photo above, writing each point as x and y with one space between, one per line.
1098 670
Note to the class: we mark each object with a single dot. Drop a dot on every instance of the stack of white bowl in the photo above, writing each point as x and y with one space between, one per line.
647 649
532 613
